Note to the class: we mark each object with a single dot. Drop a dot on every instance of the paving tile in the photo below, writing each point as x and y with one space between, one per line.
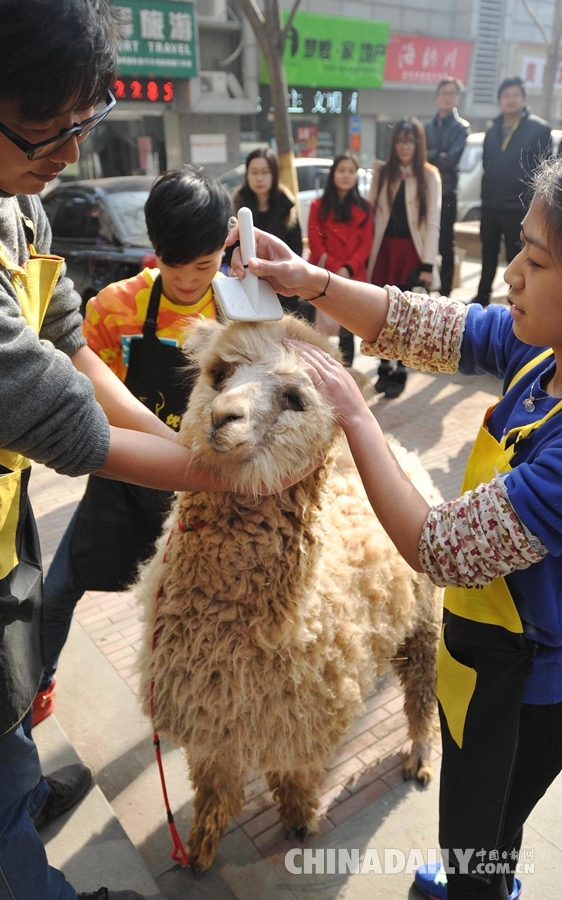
357 802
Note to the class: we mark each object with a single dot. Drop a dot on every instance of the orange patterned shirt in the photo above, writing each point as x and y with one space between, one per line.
116 316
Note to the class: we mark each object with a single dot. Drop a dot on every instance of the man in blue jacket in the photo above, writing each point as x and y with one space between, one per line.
513 147
446 136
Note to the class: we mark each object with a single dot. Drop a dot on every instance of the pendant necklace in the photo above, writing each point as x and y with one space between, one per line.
529 402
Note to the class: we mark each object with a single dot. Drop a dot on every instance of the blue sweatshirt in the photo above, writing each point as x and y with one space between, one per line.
534 485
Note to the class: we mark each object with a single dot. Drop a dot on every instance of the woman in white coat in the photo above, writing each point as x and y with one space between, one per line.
406 195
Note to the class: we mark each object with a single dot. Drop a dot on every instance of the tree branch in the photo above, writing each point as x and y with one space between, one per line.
289 22
537 22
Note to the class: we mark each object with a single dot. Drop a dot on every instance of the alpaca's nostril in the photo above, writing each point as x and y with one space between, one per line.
225 418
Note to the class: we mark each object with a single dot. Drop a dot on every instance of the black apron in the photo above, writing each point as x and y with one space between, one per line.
117 524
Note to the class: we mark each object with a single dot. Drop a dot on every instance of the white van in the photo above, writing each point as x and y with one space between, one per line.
470 175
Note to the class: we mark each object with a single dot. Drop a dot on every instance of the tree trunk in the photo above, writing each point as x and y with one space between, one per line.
271 38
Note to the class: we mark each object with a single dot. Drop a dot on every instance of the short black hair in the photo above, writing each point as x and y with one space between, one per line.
512 82
449 80
187 215
57 55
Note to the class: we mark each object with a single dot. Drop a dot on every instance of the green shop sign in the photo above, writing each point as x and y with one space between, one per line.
157 38
333 51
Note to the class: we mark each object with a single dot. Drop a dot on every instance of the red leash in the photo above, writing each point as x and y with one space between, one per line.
179 853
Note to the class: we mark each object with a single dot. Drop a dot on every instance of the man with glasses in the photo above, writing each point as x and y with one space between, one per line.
446 136
59 403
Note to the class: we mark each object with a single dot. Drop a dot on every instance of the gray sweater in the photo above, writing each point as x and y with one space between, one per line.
47 408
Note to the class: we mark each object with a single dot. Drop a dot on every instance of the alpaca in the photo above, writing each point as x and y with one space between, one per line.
268 616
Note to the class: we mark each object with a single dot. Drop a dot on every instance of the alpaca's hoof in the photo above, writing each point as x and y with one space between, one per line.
196 869
417 764
417 768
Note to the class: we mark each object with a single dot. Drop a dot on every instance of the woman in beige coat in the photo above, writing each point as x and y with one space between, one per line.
406 195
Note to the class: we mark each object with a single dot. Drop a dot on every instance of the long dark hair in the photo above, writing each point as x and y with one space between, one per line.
390 172
330 199
244 195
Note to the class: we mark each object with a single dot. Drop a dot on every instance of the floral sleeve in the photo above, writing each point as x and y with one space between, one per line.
424 332
476 538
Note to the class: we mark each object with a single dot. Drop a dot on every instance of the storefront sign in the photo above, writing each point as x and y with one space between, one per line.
323 102
421 60
157 38
332 51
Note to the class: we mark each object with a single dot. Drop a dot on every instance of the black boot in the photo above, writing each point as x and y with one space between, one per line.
396 382
384 372
67 786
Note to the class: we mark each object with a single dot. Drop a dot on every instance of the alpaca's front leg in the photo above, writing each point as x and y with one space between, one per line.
417 674
296 793
219 795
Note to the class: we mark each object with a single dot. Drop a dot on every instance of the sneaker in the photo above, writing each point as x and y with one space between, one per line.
104 894
67 786
44 704
431 881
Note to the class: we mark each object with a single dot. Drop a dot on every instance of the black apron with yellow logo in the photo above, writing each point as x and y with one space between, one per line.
117 524
20 554
482 667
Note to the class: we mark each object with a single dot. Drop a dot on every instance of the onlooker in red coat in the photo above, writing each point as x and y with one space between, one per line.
340 231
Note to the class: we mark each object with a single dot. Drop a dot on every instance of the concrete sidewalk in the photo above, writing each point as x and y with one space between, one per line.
365 803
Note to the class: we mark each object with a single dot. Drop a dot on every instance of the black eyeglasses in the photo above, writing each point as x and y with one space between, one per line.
51 145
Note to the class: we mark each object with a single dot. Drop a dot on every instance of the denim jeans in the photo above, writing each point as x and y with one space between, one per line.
25 873
59 600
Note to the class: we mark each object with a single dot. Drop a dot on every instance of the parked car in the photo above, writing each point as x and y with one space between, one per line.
98 227
312 173
470 175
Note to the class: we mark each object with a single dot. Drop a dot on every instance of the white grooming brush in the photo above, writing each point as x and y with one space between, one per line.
249 300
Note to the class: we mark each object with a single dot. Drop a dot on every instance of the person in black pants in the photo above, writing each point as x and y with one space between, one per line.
513 147
446 136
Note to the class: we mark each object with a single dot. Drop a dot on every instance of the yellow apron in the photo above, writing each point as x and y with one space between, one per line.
20 562
482 666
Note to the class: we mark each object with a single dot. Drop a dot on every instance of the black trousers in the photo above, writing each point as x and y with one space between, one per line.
494 225
447 242
538 761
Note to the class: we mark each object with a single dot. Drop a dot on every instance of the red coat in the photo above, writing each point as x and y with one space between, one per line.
346 243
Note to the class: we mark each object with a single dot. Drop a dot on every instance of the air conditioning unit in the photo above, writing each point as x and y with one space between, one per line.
213 84
212 9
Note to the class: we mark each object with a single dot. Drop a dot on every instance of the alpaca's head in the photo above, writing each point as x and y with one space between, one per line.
254 414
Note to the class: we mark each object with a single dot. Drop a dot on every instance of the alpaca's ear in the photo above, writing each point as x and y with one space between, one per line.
198 335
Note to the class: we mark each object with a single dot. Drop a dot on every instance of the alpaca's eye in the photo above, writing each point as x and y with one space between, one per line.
293 400
218 377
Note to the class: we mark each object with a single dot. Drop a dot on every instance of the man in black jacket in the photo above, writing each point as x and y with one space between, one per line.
446 136
513 147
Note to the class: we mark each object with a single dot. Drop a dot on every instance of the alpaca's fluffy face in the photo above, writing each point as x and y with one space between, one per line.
254 414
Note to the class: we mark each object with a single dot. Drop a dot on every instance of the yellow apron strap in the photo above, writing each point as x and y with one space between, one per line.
528 366
524 431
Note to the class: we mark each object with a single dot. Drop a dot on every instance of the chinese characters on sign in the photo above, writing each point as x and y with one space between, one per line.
323 102
423 60
532 72
157 36
323 51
